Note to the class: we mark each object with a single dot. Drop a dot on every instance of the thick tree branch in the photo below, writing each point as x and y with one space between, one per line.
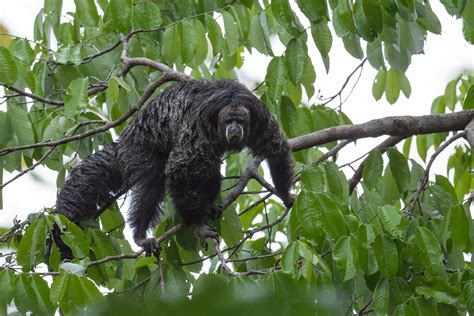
403 126
470 133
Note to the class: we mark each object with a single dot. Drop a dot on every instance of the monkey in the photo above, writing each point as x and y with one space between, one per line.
176 144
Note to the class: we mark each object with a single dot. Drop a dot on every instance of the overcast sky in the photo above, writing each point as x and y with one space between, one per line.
446 56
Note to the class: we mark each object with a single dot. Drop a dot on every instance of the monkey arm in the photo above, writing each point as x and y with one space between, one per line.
273 146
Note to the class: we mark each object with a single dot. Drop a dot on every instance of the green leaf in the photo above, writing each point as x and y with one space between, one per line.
289 259
256 36
378 87
231 227
309 77
202 45
450 94
366 254
412 37
345 257
375 54
404 83
6 131
275 79
32 246
32 295
392 87
342 19
315 11
69 55
391 218
386 255
352 45
404 310
21 124
322 38
73 293
336 182
430 253
438 296
296 56
86 12
397 58
429 20
9 72
399 168
373 12
121 11
283 13
422 146
468 103
373 169
75 239
461 228
468 18
170 44
22 50
52 8
381 297
7 290
188 40
232 37
76 96
215 35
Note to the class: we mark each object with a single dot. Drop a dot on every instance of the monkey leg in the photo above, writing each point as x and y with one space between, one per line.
194 185
145 209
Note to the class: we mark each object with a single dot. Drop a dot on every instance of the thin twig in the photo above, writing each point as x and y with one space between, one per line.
167 234
360 66
382 147
423 181
31 168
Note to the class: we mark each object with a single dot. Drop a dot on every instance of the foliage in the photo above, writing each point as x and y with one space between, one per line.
388 247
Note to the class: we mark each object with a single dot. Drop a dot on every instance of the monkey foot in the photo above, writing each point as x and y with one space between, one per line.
151 246
204 231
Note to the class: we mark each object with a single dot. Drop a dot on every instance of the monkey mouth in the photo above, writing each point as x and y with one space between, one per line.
234 139
234 135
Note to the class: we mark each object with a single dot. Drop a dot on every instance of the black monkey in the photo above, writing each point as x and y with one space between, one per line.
177 143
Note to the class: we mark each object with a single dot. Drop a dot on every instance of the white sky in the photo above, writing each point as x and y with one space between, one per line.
446 56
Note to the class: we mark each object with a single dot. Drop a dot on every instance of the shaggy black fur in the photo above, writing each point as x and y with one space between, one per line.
177 142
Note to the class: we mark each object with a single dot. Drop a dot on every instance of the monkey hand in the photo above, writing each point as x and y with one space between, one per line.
151 246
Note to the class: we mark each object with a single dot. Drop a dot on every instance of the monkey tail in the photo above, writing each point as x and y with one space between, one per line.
91 187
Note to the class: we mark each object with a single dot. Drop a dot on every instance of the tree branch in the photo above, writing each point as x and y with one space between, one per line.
144 97
386 144
167 234
403 126
470 133
426 174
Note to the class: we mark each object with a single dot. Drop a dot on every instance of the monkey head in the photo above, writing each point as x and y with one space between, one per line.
233 126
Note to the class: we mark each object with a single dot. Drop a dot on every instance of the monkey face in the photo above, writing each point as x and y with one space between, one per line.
233 126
